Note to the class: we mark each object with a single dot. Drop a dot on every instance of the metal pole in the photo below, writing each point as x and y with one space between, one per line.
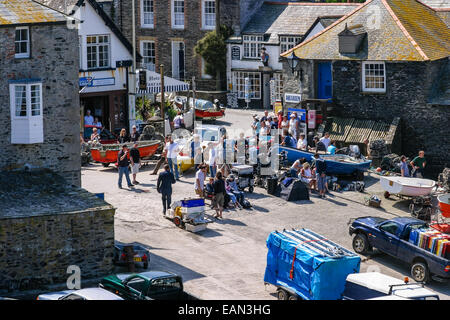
132 85
161 73
193 103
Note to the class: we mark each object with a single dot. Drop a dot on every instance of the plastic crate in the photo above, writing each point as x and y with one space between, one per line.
195 228
189 203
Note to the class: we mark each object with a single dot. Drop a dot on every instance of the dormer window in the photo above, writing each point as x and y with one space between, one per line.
252 46
351 38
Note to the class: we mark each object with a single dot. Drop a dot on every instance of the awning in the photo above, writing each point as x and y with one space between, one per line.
154 84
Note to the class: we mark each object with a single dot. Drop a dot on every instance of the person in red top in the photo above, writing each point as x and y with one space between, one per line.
280 118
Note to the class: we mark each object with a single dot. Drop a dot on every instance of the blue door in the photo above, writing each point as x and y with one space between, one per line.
324 84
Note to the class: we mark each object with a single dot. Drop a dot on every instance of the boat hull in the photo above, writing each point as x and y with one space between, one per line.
110 155
413 187
333 167
209 115
444 204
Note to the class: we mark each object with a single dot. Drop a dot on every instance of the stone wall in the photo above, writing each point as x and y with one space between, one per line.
54 59
409 86
35 252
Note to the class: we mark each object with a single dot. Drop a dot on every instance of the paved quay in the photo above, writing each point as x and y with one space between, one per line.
227 261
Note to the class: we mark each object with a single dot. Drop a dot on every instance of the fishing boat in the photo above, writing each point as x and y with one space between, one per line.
107 154
205 110
337 164
405 186
444 204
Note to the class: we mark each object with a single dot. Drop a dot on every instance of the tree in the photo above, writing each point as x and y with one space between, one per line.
212 48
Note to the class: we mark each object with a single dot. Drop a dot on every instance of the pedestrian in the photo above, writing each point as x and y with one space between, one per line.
178 121
326 140
95 136
163 157
219 194
212 159
97 123
88 118
287 140
134 134
123 136
200 177
123 162
256 126
319 145
135 158
172 153
279 118
418 164
229 190
404 167
284 123
265 116
164 186
306 175
321 168
196 151
294 125
332 147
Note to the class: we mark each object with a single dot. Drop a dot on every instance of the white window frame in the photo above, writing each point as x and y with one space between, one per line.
205 15
22 54
144 56
288 42
279 92
150 14
174 14
239 84
97 45
29 104
365 74
250 44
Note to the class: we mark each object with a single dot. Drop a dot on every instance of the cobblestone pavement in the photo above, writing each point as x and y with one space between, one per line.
227 261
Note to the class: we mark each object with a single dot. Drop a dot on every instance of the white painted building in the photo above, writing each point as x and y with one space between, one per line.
277 27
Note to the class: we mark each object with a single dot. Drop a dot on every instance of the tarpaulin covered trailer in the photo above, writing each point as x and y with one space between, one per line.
305 264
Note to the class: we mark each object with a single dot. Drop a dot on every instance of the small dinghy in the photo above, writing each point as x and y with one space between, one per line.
411 187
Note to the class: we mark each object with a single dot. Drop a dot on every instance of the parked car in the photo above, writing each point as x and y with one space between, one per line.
375 285
141 257
82 294
392 237
151 285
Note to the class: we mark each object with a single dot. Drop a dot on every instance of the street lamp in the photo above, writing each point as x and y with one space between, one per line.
293 62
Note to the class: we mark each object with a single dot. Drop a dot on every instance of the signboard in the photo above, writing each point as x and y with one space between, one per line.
85 82
272 92
103 82
312 119
292 98
277 107
142 80
235 53
301 113
247 90
124 63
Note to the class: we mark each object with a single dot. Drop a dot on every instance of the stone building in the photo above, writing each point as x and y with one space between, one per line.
386 59
168 30
39 90
47 222
276 27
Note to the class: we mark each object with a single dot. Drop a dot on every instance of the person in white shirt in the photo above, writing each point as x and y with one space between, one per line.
326 140
293 125
302 143
212 159
172 153
200 177
88 118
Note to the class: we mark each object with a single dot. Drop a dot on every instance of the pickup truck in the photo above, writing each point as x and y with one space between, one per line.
391 237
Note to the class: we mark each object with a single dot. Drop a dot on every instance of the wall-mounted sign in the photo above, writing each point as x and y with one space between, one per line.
312 119
292 98
235 53
85 82
103 82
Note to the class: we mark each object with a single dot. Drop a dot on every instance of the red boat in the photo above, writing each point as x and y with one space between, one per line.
107 154
205 110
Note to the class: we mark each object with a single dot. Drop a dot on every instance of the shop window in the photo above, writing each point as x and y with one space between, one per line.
239 84
26 111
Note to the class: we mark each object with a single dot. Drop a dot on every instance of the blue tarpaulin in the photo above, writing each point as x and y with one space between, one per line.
316 275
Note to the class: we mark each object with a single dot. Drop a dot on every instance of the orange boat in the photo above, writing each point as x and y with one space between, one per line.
107 154
205 110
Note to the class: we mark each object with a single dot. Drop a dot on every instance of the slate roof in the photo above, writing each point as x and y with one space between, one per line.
406 30
437 4
42 192
293 18
15 12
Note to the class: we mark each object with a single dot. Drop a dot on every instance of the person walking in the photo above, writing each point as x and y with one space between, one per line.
418 164
164 186
200 177
172 152
123 162
294 125
135 158
321 177
219 194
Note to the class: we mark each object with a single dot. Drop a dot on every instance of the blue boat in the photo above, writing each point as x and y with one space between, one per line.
337 164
